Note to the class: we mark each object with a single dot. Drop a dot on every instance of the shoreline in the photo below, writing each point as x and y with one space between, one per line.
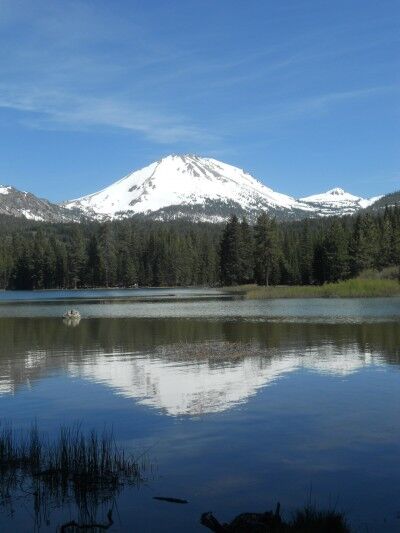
352 288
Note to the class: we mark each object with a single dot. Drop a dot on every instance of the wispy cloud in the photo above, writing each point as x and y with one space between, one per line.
54 110
84 80
322 102
76 65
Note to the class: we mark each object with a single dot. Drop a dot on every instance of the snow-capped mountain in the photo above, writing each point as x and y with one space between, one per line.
186 186
198 188
24 204
337 201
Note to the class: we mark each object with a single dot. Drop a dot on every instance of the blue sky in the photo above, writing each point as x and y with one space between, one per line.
304 94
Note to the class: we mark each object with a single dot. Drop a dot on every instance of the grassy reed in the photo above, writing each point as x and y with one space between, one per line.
312 520
306 520
392 272
352 288
87 469
73 456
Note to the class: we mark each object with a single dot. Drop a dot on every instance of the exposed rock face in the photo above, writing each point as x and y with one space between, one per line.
24 204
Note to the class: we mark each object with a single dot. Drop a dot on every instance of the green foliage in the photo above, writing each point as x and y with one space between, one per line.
336 252
266 249
231 256
124 253
351 288
115 254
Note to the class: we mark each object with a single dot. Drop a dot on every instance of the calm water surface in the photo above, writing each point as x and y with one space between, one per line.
238 404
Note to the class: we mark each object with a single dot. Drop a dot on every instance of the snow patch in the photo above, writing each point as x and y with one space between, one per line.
31 216
370 201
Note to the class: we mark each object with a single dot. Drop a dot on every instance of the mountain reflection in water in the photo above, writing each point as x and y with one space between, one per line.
192 366
240 403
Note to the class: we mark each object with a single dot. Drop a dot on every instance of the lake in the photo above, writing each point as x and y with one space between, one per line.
235 404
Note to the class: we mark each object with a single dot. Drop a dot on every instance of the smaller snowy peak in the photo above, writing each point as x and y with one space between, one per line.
4 189
333 195
337 202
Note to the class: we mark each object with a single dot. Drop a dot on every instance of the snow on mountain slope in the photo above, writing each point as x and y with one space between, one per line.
179 185
364 203
184 186
388 200
204 189
24 204
337 201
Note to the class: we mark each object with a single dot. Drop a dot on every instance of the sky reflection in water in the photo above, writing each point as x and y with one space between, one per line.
238 413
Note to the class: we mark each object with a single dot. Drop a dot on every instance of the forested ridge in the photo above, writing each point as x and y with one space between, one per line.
37 255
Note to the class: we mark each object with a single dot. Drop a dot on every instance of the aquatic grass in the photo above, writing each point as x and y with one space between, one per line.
85 468
306 520
312 520
351 288
72 456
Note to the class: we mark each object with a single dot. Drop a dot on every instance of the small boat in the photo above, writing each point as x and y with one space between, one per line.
72 314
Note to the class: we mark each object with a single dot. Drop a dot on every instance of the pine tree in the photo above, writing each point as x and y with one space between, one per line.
306 255
319 263
230 252
61 266
38 260
266 249
127 275
336 253
246 253
76 257
93 262
6 262
364 247
107 256
23 272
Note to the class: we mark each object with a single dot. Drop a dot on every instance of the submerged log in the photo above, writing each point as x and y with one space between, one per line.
170 500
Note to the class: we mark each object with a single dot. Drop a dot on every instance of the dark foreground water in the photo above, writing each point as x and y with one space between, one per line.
238 404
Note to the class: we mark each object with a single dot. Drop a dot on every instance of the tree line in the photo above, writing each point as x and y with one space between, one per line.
111 254
133 252
308 252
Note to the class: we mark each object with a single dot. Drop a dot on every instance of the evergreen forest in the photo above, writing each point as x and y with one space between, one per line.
35 255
